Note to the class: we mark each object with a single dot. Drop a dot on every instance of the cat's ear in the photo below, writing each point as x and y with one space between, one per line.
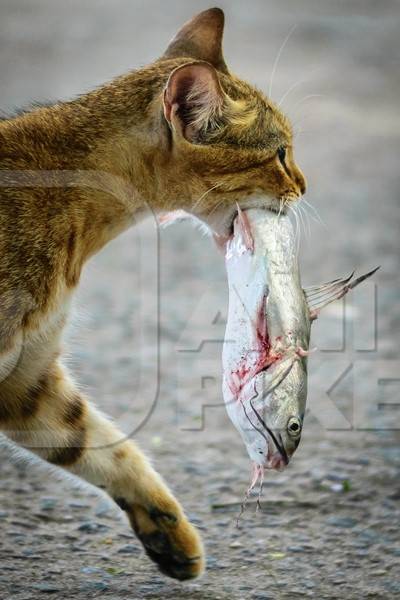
201 39
193 99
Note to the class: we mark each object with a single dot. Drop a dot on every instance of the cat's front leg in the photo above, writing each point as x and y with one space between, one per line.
54 420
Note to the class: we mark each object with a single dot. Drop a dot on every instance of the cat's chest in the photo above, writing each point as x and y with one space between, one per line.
48 324
32 347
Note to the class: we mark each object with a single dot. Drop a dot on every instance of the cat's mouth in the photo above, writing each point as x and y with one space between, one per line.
223 222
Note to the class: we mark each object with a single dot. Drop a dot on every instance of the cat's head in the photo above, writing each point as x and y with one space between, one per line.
229 143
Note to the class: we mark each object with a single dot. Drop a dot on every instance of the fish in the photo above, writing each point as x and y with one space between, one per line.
267 337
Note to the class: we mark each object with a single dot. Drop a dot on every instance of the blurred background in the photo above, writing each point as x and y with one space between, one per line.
145 341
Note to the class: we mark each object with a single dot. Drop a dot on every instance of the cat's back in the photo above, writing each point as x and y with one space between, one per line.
33 229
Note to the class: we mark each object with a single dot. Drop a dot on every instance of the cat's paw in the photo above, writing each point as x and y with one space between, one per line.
169 540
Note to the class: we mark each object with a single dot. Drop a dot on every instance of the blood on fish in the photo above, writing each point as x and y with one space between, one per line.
239 378
265 357
261 325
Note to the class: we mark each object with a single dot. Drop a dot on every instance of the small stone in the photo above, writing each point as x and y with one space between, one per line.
392 586
338 477
344 522
15 534
47 588
92 527
104 508
395 495
369 534
336 487
90 570
236 544
296 549
78 505
223 523
129 549
88 527
276 555
48 503
104 557
95 586
378 572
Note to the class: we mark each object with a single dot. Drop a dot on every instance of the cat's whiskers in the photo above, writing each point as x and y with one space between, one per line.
302 119
300 213
199 200
297 228
306 98
304 217
296 84
289 90
281 205
216 206
316 213
298 122
302 209
275 65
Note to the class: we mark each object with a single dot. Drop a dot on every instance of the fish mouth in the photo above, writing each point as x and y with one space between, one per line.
279 459
276 462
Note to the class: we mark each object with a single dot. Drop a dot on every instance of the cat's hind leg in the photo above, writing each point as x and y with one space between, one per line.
54 420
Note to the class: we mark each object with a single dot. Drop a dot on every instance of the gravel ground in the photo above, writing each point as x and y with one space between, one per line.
329 523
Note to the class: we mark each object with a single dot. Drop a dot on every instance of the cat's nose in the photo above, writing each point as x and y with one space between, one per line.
301 182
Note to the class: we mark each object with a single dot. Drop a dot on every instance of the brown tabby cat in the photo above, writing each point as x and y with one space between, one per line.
182 133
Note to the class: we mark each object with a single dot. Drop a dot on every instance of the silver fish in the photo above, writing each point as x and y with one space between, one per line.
267 336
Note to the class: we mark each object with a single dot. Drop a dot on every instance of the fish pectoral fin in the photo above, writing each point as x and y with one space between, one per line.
274 376
319 296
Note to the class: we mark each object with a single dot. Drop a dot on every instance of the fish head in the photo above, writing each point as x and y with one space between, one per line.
275 418
283 439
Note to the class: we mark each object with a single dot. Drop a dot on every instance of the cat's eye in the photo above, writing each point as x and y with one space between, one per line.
282 154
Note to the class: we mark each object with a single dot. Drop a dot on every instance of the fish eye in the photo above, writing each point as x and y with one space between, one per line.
282 154
294 427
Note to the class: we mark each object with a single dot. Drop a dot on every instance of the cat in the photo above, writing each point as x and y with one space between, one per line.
183 133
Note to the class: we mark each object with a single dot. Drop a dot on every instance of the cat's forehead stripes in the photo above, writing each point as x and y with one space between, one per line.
251 119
